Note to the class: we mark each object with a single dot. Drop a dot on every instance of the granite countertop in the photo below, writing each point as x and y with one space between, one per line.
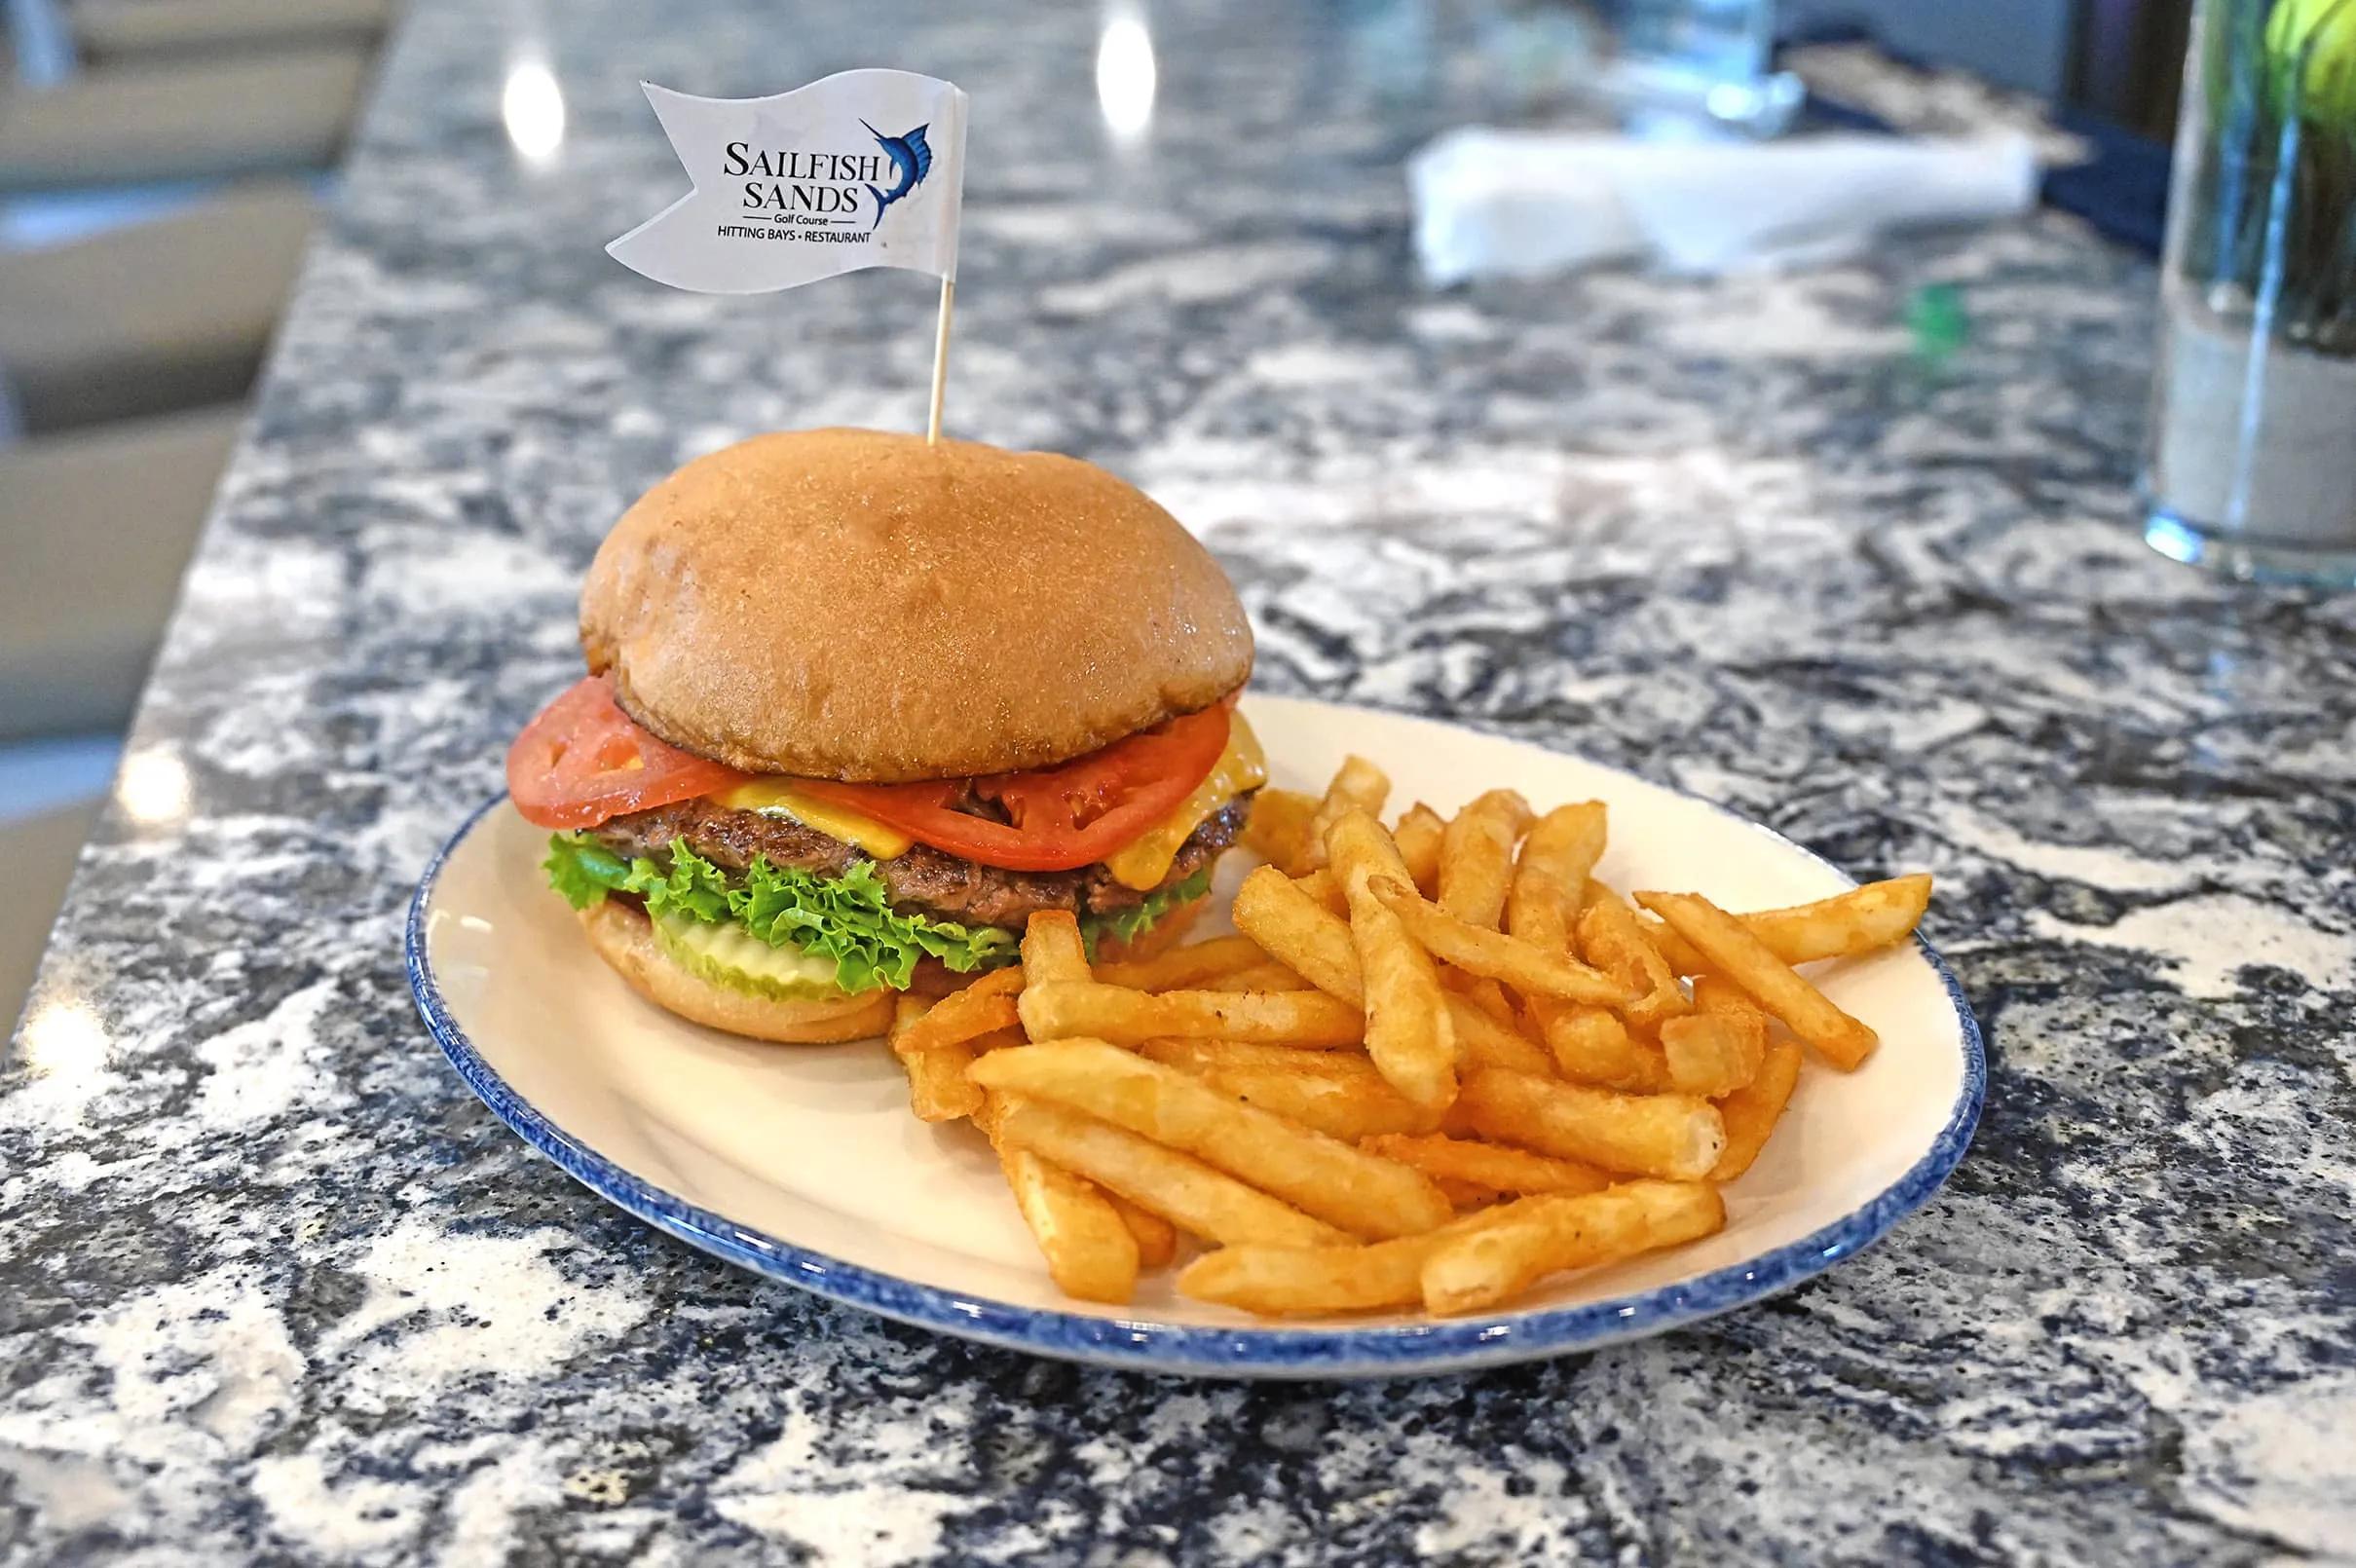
274 1287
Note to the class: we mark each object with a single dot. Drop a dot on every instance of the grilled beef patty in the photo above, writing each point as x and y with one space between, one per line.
926 879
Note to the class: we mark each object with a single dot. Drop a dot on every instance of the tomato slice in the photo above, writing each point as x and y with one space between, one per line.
583 761
1063 817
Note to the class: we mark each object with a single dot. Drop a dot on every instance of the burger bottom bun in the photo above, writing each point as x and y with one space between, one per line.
623 939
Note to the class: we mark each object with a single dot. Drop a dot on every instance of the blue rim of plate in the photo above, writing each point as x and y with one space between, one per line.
1405 1350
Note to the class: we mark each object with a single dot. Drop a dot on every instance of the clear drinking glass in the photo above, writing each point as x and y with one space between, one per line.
1708 57
2253 458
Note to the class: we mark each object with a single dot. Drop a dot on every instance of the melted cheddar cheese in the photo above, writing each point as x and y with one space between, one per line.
777 796
1242 766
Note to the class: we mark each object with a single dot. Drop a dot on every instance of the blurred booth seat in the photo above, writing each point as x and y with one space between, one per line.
39 851
96 527
110 32
159 315
188 120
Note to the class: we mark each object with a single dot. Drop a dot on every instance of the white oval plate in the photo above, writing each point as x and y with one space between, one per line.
802 1161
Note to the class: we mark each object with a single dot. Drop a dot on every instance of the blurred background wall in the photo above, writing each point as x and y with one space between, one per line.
162 162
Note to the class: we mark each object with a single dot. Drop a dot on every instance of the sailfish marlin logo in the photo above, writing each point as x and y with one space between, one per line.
911 157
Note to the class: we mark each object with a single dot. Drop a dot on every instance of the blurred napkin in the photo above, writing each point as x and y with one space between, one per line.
1522 203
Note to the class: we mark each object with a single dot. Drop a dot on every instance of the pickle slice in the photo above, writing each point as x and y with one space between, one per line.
727 955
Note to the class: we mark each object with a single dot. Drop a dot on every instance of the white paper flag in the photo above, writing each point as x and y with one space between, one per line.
862 169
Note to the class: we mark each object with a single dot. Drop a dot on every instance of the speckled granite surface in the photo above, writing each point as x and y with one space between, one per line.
275 1288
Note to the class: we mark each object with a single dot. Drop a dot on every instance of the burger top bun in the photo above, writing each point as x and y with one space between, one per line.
861 605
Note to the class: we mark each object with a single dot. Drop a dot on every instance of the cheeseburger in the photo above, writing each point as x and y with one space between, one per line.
858 706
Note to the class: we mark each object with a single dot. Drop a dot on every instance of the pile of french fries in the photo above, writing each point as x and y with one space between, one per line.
1440 1063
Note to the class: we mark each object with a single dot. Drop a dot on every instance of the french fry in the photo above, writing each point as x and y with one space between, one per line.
1064 1009
1156 1236
1090 1251
1479 950
1590 1045
1278 828
1483 1042
1277 1281
1193 964
1358 786
1197 1055
1525 1241
1322 885
1676 1137
1708 1055
1861 920
1483 992
1365 1194
1847 925
1677 952
1721 998
1338 1092
1292 1280
1417 836
1346 1107
1270 976
1487 1165
988 1004
1005 982
1719 1048
1476 857
1052 949
1300 933
1465 1195
1753 1110
1733 951
1312 941
1549 880
1183 1190
1611 940
1408 1031
937 1087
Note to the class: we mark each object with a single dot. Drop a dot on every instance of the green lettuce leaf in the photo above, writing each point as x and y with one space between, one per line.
583 870
847 919
692 887
1133 922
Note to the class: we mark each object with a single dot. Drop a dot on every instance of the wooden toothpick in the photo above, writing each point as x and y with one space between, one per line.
949 294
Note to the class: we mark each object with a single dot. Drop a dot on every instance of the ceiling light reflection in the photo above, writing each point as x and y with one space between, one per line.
533 109
153 789
64 1040
1125 75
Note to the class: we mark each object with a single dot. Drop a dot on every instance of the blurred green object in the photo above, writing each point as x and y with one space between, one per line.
2312 47
1935 315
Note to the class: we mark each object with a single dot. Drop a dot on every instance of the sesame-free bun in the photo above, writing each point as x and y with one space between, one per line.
857 605
623 939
